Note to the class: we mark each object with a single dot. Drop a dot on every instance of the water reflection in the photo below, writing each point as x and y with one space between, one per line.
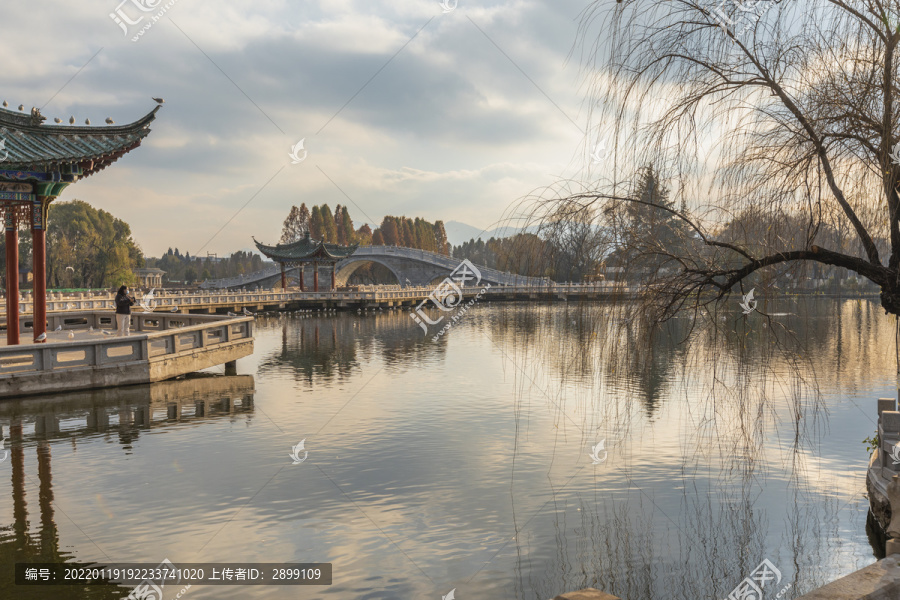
123 414
463 463
743 401
325 348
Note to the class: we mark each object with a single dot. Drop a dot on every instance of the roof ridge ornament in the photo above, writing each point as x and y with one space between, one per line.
36 117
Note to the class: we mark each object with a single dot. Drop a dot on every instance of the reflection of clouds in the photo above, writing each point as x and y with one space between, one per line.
729 411
450 459
67 485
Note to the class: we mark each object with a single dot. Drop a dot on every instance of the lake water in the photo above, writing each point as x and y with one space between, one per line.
465 463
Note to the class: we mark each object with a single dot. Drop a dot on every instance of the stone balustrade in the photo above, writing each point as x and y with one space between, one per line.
161 346
184 301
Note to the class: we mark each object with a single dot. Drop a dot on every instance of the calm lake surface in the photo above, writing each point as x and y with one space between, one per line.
466 462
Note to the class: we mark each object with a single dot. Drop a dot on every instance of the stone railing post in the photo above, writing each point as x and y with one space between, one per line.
893 530
885 404
889 436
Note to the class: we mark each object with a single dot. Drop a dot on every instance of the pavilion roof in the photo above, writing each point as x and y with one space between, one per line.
32 145
306 248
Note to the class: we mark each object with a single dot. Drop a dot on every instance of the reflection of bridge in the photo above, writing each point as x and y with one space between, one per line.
58 420
410 266
132 408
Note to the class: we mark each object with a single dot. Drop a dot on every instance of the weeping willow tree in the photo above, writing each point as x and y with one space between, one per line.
774 125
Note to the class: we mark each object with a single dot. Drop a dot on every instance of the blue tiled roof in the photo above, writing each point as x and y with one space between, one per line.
32 145
306 248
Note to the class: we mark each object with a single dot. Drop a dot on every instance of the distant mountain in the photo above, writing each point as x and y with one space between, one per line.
457 232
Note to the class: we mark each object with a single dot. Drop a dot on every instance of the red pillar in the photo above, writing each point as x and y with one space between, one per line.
315 277
283 278
40 267
332 278
12 279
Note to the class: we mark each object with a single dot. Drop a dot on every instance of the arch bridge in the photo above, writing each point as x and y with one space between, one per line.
411 267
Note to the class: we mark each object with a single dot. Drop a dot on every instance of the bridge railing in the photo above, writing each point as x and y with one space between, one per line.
164 302
156 335
396 251
448 262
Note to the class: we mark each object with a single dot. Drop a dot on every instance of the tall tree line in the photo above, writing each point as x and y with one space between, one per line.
337 227
185 269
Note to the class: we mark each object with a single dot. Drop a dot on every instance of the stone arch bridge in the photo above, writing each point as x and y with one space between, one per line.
411 267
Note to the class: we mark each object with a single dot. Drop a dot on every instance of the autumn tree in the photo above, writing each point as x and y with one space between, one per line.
329 230
89 248
789 108
442 246
295 225
346 224
316 223
363 235
390 232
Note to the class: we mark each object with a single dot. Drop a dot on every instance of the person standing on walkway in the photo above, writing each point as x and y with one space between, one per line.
124 302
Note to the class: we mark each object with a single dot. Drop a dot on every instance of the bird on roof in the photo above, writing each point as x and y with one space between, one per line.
159 100
109 121
5 104
87 121
72 120
57 120
21 107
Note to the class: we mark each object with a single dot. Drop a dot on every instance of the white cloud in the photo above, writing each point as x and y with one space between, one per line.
448 129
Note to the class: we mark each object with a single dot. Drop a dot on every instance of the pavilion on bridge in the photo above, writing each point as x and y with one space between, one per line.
303 252
38 162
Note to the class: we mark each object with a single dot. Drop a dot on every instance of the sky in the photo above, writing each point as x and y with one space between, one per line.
403 108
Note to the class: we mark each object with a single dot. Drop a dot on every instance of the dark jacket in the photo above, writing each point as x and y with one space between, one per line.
123 304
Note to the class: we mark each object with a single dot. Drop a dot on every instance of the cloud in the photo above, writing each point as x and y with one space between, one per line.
447 127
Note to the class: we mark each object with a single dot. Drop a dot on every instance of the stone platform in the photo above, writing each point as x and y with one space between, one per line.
162 346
